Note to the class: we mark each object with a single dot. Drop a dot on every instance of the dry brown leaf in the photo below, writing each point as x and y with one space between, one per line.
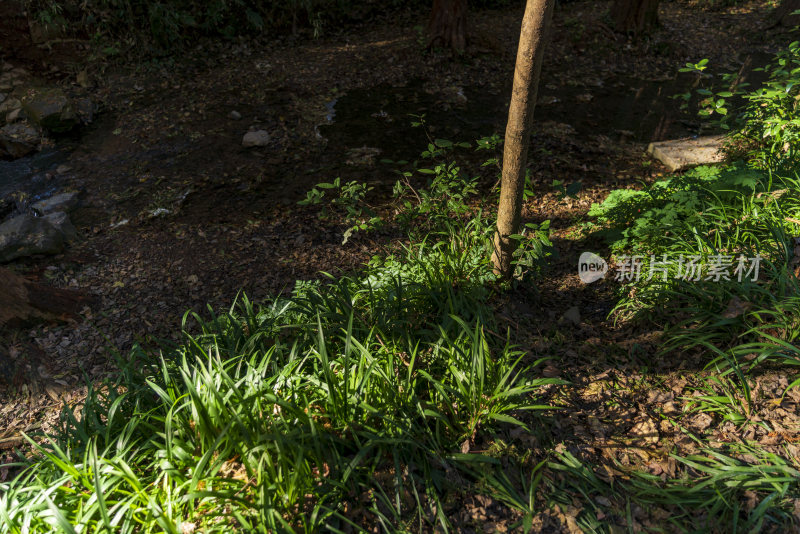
701 421
736 307
645 431
659 397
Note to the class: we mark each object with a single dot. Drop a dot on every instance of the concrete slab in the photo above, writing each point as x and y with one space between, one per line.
679 154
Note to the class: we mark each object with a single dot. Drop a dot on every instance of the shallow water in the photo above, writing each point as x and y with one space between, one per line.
381 116
28 174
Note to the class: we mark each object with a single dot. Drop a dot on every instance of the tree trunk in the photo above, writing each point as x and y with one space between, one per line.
447 27
23 301
532 40
634 16
783 14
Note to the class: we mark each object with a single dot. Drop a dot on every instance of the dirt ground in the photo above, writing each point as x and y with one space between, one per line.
165 140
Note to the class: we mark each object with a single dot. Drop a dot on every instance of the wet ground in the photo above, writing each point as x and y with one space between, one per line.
29 174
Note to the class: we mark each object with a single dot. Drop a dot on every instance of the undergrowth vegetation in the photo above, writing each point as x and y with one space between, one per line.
372 401
326 408
164 25
712 256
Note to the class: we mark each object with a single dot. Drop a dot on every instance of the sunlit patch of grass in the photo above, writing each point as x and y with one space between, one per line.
746 490
350 402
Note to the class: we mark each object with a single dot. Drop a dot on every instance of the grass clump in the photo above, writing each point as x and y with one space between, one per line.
312 412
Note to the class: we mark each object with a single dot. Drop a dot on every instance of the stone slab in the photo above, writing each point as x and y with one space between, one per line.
680 154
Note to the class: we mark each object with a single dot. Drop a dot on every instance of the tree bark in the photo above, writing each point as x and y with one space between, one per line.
783 14
634 16
447 27
533 37
23 301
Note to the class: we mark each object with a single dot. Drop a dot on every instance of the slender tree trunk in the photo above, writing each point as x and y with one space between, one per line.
23 301
447 27
634 16
532 40
783 14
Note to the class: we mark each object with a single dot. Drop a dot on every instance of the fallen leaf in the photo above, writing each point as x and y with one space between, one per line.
736 307
701 421
645 431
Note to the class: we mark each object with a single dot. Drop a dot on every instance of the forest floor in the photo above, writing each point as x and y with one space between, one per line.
165 140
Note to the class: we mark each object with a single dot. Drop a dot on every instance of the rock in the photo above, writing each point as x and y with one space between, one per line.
61 202
14 116
18 140
2 97
234 115
63 169
7 206
51 109
256 138
679 154
10 104
26 235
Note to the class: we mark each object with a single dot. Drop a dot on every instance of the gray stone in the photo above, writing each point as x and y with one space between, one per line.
60 202
51 109
26 235
61 222
14 116
2 97
257 138
10 104
18 140
234 115
680 154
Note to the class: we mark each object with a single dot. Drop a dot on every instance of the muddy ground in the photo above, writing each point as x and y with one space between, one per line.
165 140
